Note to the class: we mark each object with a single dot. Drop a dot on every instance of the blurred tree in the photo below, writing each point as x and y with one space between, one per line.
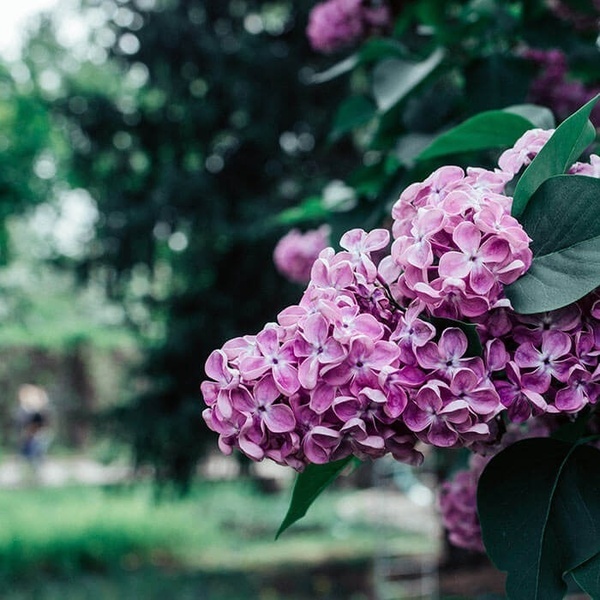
207 131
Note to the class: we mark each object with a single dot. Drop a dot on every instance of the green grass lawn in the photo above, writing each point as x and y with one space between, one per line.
119 543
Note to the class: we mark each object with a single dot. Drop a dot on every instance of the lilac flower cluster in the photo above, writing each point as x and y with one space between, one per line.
296 252
588 20
337 24
321 383
358 367
458 507
553 87
348 371
456 244
550 360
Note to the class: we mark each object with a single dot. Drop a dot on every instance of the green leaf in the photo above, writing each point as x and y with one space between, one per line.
539 507
352 113
563 221
309 485
565 146
491 129
538 116
474 347
587 576
377 48
310 209
496 81
394 78
572 431
336 70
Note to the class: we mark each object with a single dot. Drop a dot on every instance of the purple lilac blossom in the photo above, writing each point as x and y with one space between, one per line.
588 20
342 373
553 87
296 252
336 24
455 243
357 366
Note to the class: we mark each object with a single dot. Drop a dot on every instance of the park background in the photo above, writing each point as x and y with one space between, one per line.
152 153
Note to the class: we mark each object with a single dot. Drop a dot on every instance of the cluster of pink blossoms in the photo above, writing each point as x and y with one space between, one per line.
581 18
296 252
358 366
348 371
337 24
555 89
456 245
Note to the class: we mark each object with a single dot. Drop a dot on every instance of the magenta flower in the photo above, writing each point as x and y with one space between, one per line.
357 366
296 252
364 361
554 87
445 357
530 328
524 151
360 244
316 348
553 360
434 421
319 444
521 402
336 24
480 396
225 378
476 259
458 505
426 224
582 388
349 322
277 359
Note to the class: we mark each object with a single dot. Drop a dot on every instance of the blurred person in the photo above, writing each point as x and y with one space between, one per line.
33 418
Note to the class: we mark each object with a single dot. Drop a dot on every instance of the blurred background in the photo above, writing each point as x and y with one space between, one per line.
144 147
152 153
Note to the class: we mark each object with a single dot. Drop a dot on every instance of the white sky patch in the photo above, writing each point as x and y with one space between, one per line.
14 19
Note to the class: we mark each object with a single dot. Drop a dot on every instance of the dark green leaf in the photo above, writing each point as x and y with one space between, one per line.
497 81
474 348
336 70
491 129
311 209
563 220
377 48
565 146
573 430
538 116
393 78
309 485
587 576
539 507
352 113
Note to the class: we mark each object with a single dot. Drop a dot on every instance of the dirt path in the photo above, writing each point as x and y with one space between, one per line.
15 472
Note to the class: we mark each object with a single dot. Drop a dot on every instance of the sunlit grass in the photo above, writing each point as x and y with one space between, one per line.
219 526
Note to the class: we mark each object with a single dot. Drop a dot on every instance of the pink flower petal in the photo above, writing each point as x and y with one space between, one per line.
467 237
454 264
279 418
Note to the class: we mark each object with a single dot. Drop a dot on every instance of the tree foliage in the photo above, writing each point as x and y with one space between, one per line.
207 131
